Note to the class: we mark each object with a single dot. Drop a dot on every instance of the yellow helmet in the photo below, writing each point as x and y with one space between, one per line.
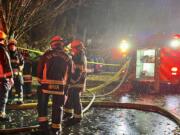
2 35
2 38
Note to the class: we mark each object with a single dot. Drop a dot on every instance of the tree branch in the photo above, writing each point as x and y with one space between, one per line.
21 15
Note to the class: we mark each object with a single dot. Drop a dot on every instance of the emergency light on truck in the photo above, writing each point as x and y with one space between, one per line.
174 70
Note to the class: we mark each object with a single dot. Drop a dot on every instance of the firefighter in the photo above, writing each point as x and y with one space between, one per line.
27 76
54 71
17 62
6 76
73 107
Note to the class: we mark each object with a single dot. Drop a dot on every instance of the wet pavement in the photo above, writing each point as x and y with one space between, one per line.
129 122
20 118
170 102
105 121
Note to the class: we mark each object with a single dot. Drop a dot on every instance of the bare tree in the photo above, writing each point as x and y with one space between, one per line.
19 16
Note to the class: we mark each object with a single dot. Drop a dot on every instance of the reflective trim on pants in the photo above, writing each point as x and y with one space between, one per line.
57 126
30 81
52 92
27 76
66 110
78 116
74 86
42 119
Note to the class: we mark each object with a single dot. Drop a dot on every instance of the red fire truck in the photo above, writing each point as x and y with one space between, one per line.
158 67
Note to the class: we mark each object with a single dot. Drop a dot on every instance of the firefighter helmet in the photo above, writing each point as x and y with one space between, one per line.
2 35
77 44
12 44
12 41
2 38
56 40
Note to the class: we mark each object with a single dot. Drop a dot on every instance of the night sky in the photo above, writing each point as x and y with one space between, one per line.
118 18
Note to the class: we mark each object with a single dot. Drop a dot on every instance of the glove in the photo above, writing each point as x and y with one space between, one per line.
11 81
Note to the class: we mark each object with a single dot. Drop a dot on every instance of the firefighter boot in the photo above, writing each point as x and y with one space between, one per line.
4 117
72 121
55 131
67 116
10 97
19 99
44 128
10 101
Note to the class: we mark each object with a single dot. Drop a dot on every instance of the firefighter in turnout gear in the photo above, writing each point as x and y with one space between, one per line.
73 105
6 76
54 71
17 62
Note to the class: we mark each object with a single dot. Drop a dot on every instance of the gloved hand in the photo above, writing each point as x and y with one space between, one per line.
11 81
21 68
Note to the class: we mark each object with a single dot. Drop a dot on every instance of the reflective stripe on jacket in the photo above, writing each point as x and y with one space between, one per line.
5 65
80 72
27 78
54 69
27 71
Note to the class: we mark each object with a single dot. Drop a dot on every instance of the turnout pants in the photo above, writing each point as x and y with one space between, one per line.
57 111
18 85
27 87
73 103
4 90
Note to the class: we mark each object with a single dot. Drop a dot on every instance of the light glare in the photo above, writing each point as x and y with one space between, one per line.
175 43
174 69
124 46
